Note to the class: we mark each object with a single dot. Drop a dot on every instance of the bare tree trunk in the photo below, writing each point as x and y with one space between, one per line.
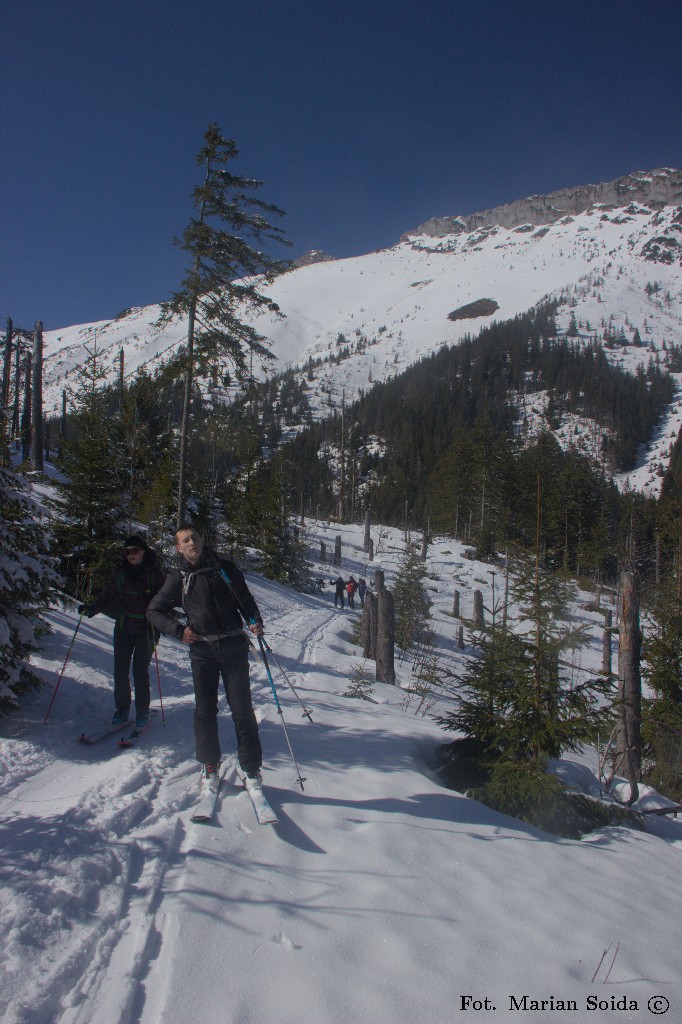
370 556
628 745
37 461
337 550
323 551
121 381
6 375
26 412
368 626
460 638
189 378
425 542
606 649
18 368
455 606
186 407
478 609
62 425
367 535
342 486
385 648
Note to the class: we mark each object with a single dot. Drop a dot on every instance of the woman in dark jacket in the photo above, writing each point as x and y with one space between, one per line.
126 598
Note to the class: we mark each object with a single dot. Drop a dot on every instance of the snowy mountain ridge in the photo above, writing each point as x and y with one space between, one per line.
653 189
364 319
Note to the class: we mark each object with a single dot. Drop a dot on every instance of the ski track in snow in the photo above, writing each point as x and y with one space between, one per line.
379 896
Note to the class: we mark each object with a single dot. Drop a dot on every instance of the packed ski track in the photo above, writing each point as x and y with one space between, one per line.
379 896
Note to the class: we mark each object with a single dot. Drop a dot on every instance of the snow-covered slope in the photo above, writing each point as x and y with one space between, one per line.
379 897
391 307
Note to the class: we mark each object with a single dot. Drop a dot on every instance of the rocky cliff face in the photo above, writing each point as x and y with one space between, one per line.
311 257
650 189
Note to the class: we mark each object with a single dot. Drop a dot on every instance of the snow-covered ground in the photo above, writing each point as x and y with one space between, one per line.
380 897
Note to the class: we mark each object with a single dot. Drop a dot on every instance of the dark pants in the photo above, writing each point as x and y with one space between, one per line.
228 658
138 648
338 596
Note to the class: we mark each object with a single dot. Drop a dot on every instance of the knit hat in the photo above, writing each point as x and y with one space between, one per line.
135 541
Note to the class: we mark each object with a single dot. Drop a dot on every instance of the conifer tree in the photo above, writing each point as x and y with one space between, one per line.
411 601
662 713
150 453
28 584
523 701
225 278
95 489
259 513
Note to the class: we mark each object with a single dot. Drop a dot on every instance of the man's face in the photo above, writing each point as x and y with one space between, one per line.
190 545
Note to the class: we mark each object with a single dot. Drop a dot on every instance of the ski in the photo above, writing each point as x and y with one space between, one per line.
130 741
204 811
110 730
263 810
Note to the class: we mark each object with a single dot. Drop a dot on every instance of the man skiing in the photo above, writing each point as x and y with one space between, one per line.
215 597
125 599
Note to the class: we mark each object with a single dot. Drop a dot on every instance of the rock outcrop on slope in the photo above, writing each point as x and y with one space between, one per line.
650 189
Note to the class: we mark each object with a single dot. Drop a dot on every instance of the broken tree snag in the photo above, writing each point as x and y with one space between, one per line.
385 665
628 742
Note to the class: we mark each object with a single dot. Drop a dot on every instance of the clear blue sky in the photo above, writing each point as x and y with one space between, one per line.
363 118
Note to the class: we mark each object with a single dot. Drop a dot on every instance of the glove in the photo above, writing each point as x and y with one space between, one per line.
84 609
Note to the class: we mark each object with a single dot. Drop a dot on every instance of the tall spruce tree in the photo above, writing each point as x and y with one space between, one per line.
225 278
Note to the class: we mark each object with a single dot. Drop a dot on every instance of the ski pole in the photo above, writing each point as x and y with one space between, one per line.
252 622
158 676
299 778
68 655
306 714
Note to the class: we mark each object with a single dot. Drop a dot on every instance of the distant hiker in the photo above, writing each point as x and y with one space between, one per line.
351 587
340 585
216 599
362 590
126 598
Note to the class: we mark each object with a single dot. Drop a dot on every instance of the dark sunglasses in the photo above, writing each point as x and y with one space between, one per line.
132 551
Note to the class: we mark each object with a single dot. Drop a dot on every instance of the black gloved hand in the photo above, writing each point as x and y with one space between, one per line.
84 609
